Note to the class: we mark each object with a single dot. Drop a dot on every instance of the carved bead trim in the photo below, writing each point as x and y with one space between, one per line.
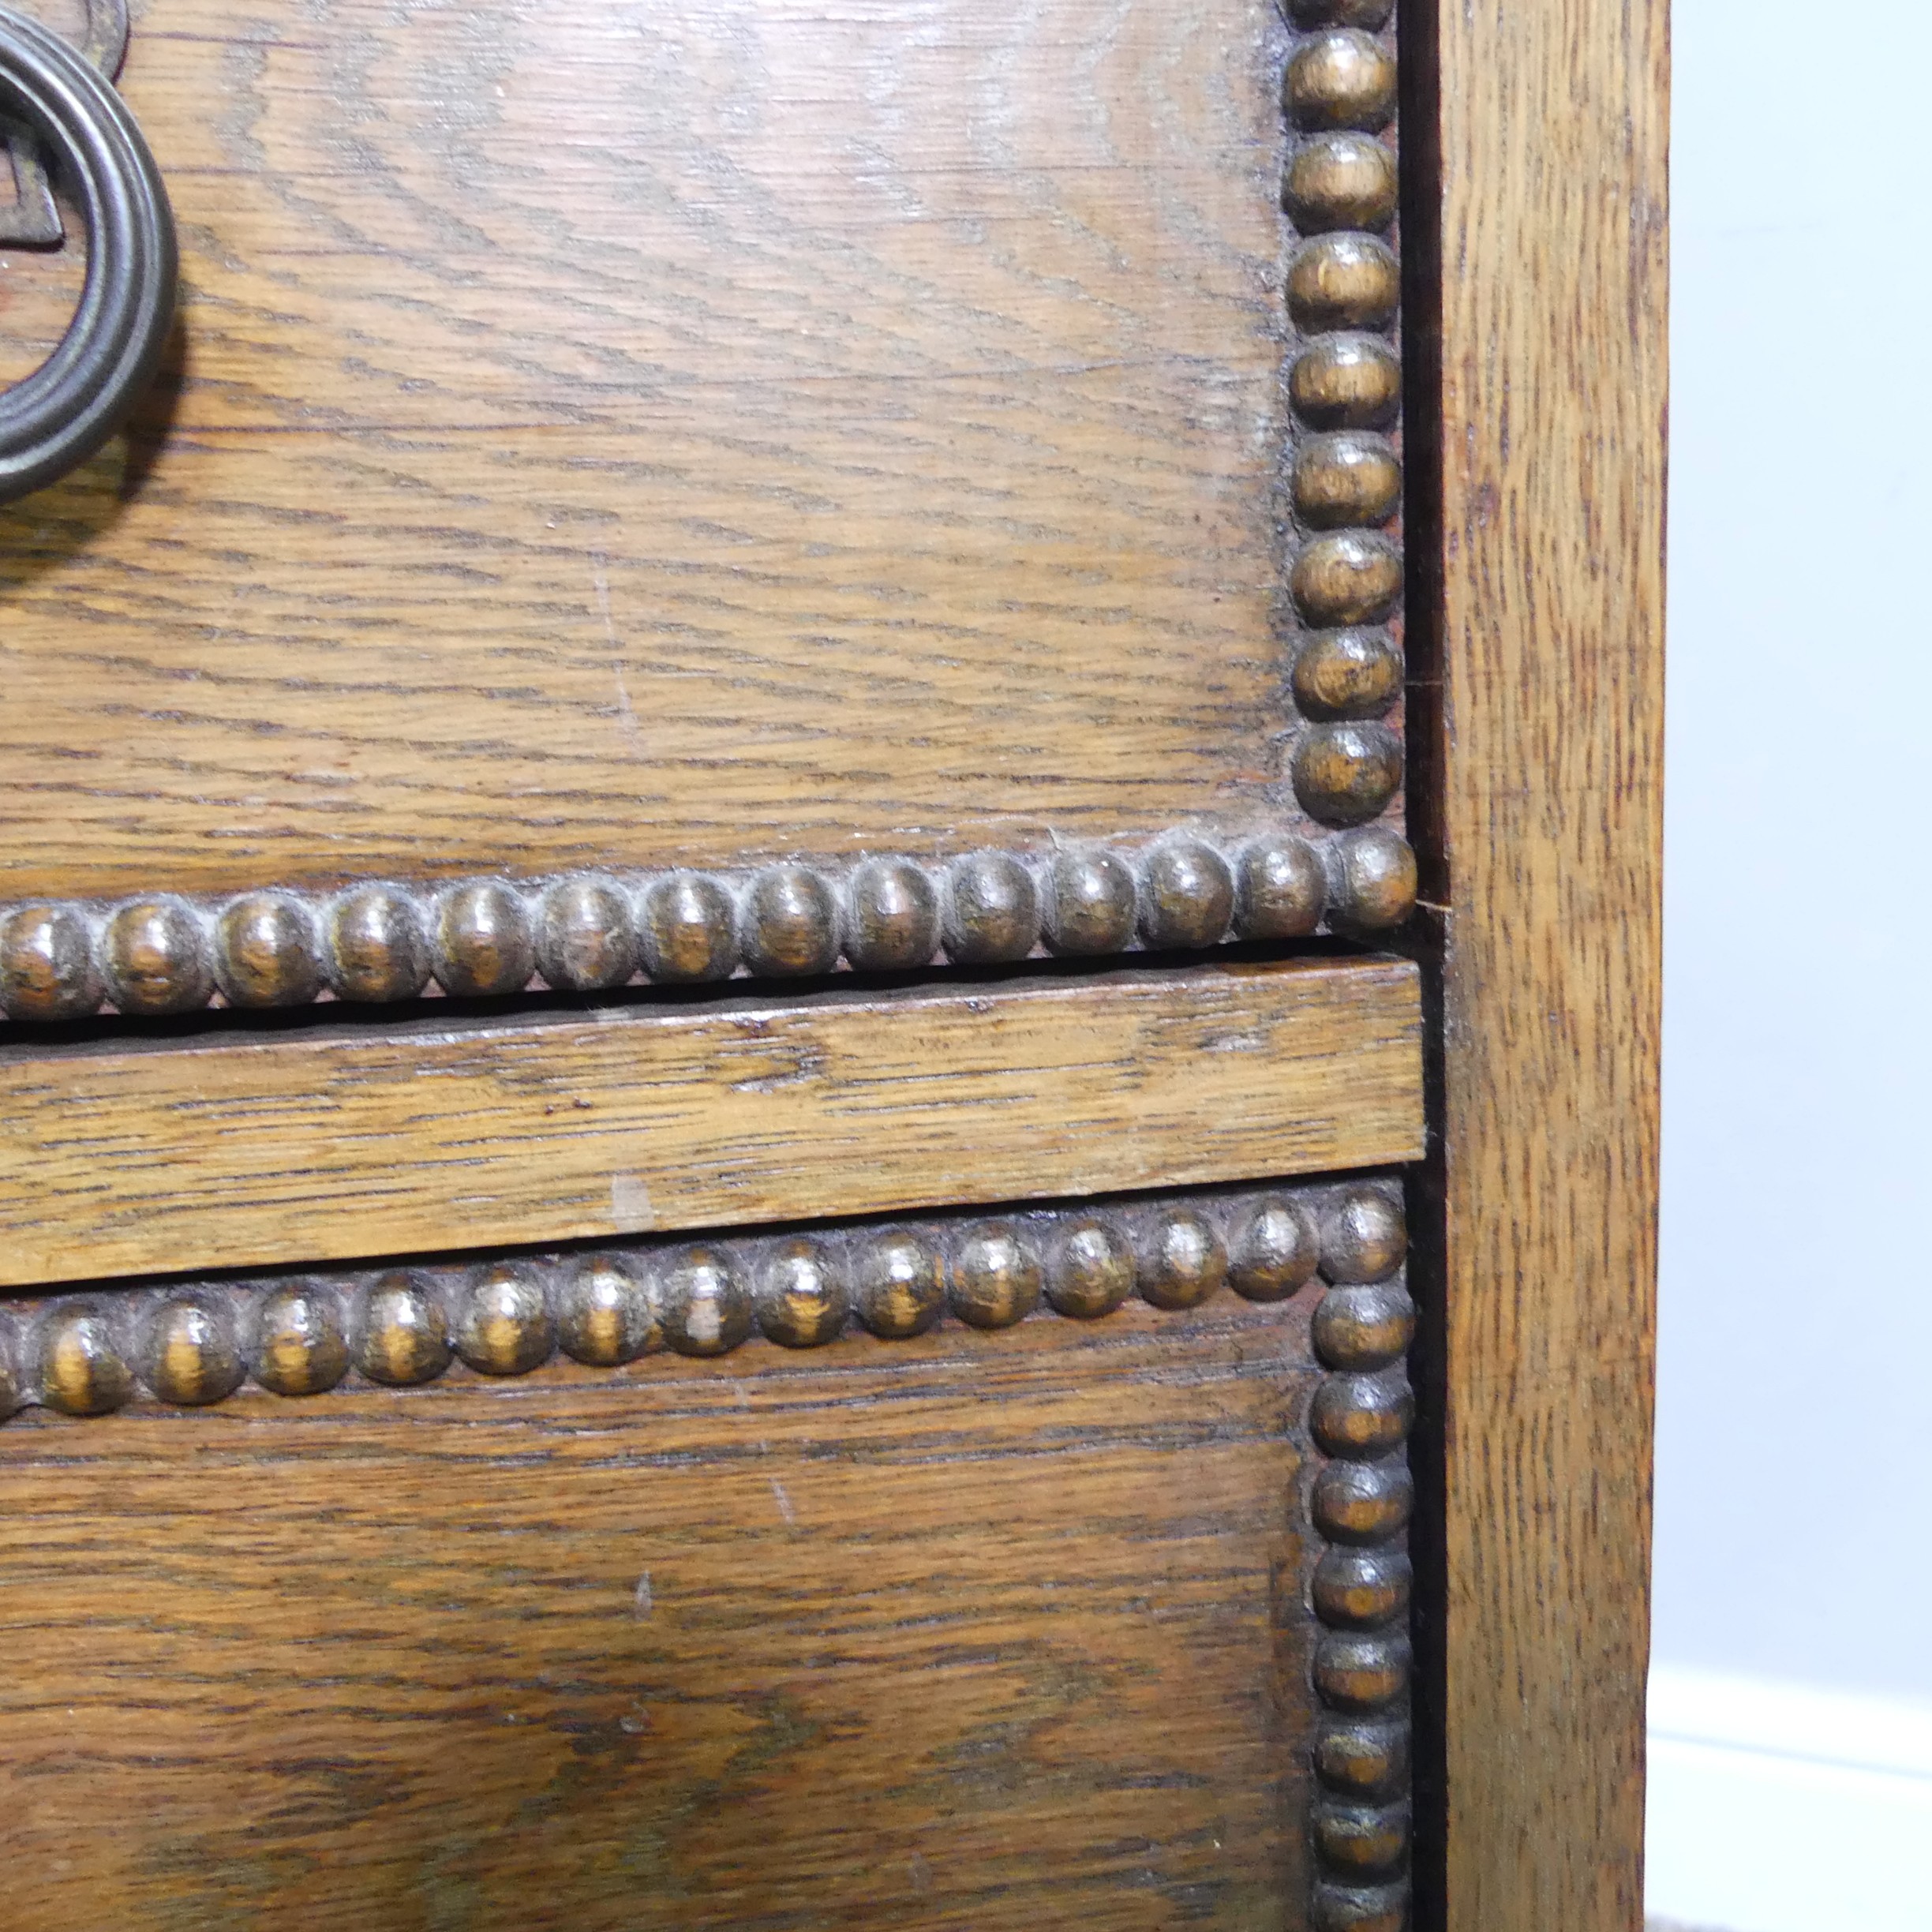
1340 192
587 932
194 1343
1359 1500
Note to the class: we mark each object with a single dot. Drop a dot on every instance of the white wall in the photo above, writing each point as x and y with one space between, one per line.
1794 1521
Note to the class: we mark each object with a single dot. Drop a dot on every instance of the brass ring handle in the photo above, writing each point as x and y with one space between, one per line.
61 414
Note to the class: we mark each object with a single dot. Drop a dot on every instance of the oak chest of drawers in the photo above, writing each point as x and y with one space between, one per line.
827 875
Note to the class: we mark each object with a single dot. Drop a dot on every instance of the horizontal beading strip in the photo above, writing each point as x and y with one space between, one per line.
302 1334
591 931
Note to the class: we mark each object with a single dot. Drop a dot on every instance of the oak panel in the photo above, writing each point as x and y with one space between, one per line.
1553 126
340 1142
650 434
971 1632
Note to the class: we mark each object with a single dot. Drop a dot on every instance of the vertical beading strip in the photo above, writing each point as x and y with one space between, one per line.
1360 1503
1339 190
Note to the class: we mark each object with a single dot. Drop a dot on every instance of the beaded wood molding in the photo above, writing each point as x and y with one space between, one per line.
192 1344
1341 192
382 942
1360 1501
588 932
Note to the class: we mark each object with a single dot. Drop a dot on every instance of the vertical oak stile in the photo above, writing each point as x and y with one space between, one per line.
1543 870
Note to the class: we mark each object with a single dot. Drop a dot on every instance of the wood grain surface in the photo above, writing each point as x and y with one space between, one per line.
967 1632
237 1149
666 432
1553 134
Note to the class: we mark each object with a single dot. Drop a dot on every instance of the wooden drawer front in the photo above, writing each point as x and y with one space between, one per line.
663 490
1026 1618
